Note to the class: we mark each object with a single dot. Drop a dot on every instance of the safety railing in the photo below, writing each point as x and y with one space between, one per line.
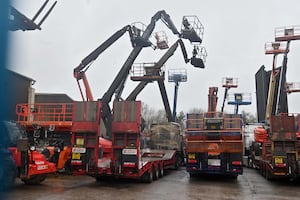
199 121
287 33
46 113
146 71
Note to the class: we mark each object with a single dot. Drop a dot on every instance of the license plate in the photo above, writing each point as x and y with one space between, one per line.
78 150
214 162
278 160
42 167
75 156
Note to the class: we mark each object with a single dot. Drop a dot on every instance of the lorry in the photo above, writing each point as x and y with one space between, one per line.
123 157
28 164
275 149
214 141
95 122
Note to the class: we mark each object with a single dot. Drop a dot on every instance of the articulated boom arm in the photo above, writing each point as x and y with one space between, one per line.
124 72
79 71
18 21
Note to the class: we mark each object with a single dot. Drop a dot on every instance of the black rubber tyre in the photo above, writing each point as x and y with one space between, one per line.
178 162
148 176
8 171
35 180
161 171
155 173
192 175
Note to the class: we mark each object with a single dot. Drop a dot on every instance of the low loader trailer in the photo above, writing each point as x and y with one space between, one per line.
123 157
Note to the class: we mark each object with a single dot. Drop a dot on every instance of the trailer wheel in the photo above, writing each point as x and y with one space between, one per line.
155 173
268 175
161 171
192 175
148 176
264 169
250 163
178 162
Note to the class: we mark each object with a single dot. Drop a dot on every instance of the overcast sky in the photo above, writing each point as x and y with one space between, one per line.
234 37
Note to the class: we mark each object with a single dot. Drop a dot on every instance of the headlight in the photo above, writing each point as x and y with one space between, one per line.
32 148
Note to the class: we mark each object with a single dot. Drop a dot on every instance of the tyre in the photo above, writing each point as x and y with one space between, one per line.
250 163
268 175
192 175
35 180
148 177
102 178
178 162
155 173
161 171
8 171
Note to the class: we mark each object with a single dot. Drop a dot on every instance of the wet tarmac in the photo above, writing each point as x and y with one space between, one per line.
176 184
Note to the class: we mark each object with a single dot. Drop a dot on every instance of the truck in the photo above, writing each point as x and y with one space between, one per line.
95 122
276 148
214 141
123 157
28 164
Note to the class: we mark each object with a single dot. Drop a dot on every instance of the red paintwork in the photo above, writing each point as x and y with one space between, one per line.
260 134
37 163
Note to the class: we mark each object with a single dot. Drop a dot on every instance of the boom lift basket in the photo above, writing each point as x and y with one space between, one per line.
138 29
292 87
287 33
239 98
161 40
276 48
147 72
229 82
177 75
192 29
199 56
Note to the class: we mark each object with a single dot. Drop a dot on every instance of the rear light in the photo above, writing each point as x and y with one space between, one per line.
192 161
76 162
280 165
128 164
236 163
